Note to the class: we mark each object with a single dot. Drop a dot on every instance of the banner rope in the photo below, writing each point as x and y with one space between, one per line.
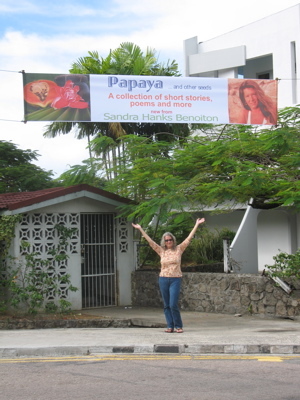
12 120
277 79
6 70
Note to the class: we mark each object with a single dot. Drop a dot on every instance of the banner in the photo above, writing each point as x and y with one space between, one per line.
149 99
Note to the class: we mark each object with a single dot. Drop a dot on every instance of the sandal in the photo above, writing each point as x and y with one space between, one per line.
169 330
179 330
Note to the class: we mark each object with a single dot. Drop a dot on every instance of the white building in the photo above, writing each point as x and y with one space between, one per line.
265 49
100 252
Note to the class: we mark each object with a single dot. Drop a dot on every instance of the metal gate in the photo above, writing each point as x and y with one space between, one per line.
98 272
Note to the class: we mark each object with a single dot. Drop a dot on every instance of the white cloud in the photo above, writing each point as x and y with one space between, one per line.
55 8
18 6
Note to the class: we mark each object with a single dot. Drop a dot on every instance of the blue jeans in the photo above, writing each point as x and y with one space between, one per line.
170 290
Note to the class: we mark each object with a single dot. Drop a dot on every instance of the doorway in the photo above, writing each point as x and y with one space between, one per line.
98 260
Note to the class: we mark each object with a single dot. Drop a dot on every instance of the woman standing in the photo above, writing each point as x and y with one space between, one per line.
170 275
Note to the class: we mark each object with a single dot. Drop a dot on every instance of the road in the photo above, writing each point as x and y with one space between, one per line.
150 377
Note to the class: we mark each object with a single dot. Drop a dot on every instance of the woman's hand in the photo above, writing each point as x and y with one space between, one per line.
200 221
136 226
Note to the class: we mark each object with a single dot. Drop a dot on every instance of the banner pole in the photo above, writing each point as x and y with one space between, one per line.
23 76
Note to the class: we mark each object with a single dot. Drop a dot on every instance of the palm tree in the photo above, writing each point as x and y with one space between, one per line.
104 138
127 59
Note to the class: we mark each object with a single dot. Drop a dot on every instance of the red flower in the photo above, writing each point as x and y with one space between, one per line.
67 96
41 92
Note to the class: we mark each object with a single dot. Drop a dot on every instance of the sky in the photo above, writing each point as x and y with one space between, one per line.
47 37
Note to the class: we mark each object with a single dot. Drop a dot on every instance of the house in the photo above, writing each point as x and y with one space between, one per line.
260 234
100 252
266 49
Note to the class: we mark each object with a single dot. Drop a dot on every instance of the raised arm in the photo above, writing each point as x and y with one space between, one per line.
193 231
151 242
139 228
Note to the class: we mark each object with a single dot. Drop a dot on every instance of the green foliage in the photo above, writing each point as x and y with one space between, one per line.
7 232
29 283
127 59
220 165
18 173
84 173
207 247
285 265
245 163
149 179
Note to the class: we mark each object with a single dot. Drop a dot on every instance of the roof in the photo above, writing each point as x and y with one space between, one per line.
14 201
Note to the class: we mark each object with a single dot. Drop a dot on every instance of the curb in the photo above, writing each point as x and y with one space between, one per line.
153 349
78 323
68 323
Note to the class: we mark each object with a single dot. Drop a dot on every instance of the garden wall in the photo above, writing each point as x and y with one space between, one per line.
220 293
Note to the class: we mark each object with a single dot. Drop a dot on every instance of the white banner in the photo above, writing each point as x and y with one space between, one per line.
148 99
159 99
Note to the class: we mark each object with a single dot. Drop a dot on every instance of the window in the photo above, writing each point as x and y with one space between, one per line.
264 75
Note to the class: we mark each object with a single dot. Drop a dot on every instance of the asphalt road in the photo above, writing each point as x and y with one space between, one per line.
150 377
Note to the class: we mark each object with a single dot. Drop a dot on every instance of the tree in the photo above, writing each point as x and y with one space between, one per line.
127 59
18 173
220 165
104 138
83 173
246 162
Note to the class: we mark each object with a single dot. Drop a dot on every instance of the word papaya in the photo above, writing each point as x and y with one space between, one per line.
134 83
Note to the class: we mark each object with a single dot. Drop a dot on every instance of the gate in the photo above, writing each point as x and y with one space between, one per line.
98 270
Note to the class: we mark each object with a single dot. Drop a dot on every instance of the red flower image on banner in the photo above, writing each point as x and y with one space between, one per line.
68 97
40 93
65 97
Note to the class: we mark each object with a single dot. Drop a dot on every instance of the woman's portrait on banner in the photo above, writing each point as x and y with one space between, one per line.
252 101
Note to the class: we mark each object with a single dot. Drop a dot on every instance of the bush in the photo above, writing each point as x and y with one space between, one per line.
285 266
208 247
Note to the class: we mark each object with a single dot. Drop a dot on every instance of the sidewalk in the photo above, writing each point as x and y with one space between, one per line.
203 334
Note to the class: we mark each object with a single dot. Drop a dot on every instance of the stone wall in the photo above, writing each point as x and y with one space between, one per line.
220 293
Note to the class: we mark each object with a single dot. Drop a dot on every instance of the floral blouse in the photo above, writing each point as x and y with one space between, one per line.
170 259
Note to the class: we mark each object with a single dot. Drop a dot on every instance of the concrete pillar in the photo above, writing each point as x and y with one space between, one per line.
243 250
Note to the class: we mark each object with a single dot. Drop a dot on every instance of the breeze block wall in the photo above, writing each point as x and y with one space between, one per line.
220 293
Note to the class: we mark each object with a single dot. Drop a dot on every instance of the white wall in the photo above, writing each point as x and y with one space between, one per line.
125 261
273 236
243 249
79 205
230 220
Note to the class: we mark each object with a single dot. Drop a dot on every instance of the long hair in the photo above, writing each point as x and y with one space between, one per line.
162 242
265 103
